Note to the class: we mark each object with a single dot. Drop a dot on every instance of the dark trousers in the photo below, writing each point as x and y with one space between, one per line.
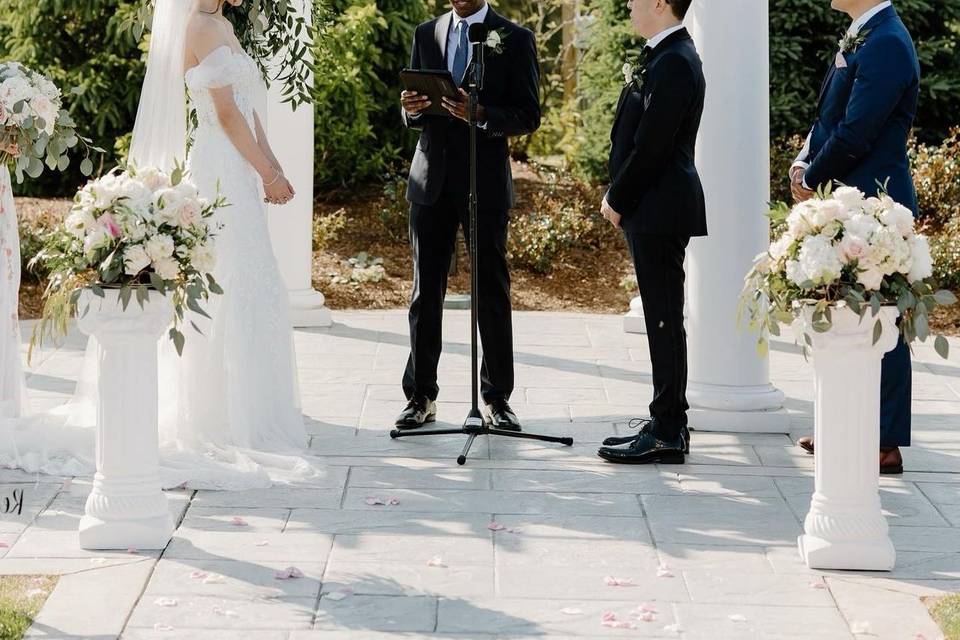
896 382
433 233
658 261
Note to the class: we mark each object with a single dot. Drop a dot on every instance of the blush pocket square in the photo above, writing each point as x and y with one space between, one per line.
841 62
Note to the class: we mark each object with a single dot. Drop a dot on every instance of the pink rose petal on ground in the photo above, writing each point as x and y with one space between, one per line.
571 611
736 617
435 561
920 636
288 573
495 526
663 571
67 483
393 502
515 530
237 521
859 626
610 581
817 585
608 616
132 550
159 626
646 608
165 602
196 575
262 543
4 545
646 616
374 502
214 578
609 619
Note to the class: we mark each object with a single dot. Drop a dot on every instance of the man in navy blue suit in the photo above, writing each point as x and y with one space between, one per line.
866 109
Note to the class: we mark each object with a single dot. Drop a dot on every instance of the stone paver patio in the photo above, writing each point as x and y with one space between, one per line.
724 524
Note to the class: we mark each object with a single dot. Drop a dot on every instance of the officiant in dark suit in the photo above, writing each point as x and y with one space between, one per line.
438 189
656 198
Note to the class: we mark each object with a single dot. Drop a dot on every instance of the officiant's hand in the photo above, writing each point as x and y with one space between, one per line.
459 108
800 193
607 211
413 103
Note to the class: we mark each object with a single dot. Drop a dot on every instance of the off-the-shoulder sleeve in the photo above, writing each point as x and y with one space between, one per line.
221 68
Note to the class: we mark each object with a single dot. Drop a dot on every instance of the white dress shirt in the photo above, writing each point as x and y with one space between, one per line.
853 30
453 36
660 37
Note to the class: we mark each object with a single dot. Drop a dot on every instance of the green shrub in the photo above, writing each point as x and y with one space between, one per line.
327 228
394 208
359 134
936 174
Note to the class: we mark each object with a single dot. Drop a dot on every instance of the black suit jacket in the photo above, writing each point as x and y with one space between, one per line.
654 183
511 96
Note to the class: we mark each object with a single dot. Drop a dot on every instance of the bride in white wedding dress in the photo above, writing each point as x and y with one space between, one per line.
229 407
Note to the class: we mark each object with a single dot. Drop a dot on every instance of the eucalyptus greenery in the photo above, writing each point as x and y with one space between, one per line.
270 31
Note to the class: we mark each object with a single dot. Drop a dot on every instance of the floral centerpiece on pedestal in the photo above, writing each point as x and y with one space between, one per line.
136 231
840 250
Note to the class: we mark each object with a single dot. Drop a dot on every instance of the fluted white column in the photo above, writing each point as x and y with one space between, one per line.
729 384
845 527
291 225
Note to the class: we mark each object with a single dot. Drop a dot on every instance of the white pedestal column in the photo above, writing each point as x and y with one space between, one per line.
126 508
291 225
845 527
729 384
633 320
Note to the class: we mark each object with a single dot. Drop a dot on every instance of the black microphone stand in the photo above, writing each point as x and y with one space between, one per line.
475 425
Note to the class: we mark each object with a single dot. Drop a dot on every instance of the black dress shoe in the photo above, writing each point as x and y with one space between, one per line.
646 448
419 411
502 417
641 423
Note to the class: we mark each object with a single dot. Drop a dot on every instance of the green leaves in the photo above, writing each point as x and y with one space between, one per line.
942 347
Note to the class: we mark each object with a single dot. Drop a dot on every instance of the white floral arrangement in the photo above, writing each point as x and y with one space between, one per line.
136 230
35 130
495 40
843 249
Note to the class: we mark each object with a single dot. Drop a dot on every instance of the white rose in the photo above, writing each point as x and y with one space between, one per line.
861 225
135 260
493 40
921 266
871 279
779 248
799 221
104 191
627 71
898 217
15 89
167 203
167 268
79 221
872 206
823 212
152 178
46 111
203 258
189 213
96 240
187 190
819 260
159 246
852 248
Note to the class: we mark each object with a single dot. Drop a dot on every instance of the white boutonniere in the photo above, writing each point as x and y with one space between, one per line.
634 72
495 40
850 42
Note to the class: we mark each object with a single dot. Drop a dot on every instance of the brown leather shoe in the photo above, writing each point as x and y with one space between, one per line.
806 443
891 462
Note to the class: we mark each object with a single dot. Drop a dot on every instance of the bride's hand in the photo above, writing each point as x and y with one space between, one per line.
280 191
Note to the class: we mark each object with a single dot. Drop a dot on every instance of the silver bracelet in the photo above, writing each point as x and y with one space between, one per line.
275 178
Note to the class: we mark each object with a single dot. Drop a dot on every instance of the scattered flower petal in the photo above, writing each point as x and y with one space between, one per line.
373 501
607 616
97 560
609 619
393 502
214 578
132 550
165 602
817 585
610 581
4 545
237 521
339 595
515 530
859 626
571 611
196 575
672 628
159 626
288 573
262 543
736 617
67 483
435 561
495 526
646 608
663 571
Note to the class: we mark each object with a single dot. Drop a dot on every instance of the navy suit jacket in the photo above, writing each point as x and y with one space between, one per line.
511 97
865 114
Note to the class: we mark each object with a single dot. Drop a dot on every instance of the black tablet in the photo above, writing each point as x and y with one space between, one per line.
433 83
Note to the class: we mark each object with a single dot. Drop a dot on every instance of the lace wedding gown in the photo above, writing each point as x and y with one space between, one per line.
229 408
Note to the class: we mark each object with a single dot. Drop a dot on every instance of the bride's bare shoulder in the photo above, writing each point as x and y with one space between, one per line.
204 34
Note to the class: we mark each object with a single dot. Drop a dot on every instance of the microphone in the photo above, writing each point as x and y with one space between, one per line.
478 36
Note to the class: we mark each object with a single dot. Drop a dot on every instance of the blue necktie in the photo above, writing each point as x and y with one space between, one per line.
460 57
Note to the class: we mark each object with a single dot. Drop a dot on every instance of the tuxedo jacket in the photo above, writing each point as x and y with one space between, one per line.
654 184
511 97
865 112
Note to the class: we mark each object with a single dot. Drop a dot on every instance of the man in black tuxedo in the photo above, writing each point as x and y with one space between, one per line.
656 197
438 190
